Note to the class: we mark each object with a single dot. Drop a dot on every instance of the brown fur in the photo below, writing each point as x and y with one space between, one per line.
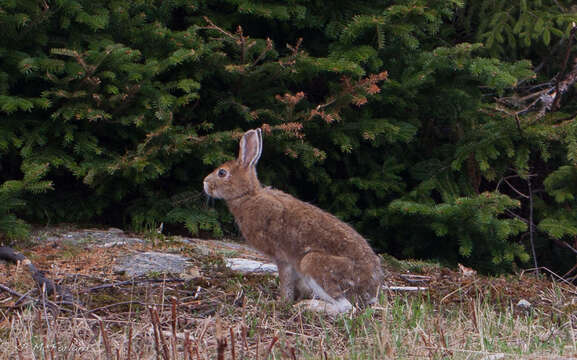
304 241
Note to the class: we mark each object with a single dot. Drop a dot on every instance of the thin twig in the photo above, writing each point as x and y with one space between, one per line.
173 304
220 340
515 190
232 346
458 289
19 350
11 292
531 228
555 275
129 352
257 345
261 56
186 346
155 333
130 302
165 352
562 120
564 68
269 349
132 282
570 271
105 341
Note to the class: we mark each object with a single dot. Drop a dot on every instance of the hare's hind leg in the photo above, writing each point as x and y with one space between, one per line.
329 278
293 286
288 281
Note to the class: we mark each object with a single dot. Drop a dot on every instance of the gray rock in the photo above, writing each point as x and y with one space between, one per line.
524 304
202 249
87 237
246 266
212 247
109 238
151 262
494 357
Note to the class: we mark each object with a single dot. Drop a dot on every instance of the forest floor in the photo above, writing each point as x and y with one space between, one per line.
212 312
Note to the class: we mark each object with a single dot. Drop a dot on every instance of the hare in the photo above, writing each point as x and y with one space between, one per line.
315 252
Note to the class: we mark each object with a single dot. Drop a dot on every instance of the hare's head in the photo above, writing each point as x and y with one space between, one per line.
237 178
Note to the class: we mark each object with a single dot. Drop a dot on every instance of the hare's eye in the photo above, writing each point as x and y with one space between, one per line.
222 173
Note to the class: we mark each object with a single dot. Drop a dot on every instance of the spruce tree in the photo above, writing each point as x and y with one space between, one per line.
408 119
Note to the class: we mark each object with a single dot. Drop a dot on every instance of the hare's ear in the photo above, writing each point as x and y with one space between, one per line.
250 148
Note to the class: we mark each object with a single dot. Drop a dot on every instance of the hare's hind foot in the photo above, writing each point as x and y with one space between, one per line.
337 307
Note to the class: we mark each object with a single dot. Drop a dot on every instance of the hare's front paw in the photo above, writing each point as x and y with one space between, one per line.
340 306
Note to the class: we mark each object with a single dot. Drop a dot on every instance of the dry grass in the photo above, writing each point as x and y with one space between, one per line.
229 316
400 327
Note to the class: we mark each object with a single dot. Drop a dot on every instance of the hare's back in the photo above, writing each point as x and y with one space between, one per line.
309 227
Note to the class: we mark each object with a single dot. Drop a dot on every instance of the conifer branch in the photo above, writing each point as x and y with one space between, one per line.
213 26
295 53
351 93
269 47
